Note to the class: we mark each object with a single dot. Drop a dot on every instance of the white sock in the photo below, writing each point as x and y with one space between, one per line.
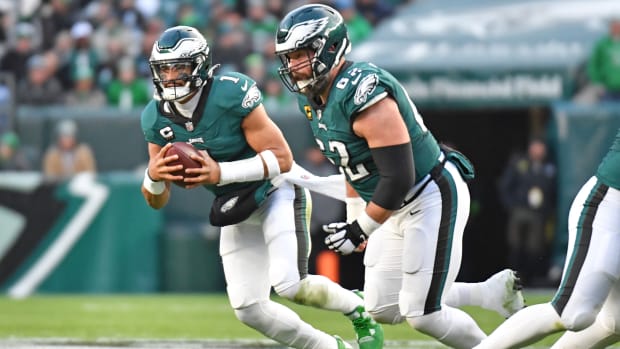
599 335
462 294
524 327
283 325
320 292
452 327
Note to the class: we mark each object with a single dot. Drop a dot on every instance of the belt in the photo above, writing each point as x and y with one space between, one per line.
418 188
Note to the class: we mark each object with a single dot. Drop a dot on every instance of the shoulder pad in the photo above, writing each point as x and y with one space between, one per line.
149 115
236 90
359 85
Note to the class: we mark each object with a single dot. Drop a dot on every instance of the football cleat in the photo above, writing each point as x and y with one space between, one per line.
506 286
342 344
368 332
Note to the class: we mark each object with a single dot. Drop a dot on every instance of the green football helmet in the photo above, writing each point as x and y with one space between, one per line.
320 29
178 48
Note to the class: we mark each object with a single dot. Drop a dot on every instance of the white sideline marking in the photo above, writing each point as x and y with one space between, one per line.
95 194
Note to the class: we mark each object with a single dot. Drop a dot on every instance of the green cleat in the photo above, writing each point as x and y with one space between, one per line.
368 332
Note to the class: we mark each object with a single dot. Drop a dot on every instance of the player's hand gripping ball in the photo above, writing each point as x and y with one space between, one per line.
183 150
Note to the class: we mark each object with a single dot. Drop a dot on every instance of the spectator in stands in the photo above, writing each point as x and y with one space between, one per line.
55 16
83 57
259 24
130 16
85 92
41 86
108 68
275 98
12 157
188 15
254 66
272 63
527 189
126 91
67 156
63 48
232 42
276 8
7 101
15 59
374 10
359 27
154 27
603 68
5 25
112 41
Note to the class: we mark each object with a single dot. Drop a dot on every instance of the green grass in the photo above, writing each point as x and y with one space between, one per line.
90 317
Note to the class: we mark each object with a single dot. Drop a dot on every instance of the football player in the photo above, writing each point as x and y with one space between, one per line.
587 303
408 200
264 238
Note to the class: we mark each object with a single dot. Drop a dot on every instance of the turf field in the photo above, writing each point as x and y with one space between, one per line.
174 321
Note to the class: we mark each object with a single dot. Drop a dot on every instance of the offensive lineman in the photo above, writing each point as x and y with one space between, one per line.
587 303
414 200
263 241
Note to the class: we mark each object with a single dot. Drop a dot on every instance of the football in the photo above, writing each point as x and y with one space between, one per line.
183 150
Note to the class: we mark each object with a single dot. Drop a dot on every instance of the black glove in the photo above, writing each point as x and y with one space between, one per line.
344 238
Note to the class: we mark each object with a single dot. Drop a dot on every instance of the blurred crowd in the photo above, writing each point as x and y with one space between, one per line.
95 53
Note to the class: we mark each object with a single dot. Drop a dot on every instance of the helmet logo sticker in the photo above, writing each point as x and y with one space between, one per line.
365 88
301 32
251 97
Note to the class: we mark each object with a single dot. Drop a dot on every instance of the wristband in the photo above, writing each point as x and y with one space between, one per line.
355 206
367 224
246 170
153 187
249 170
271 162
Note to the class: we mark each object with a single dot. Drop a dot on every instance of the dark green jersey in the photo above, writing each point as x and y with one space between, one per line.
609 169
215 125
357 86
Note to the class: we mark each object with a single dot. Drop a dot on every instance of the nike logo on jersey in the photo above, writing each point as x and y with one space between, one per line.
322 126
245 86
413 213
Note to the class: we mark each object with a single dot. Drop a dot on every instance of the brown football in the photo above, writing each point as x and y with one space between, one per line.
183 150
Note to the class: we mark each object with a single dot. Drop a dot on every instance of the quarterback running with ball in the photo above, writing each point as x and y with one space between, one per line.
264 239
